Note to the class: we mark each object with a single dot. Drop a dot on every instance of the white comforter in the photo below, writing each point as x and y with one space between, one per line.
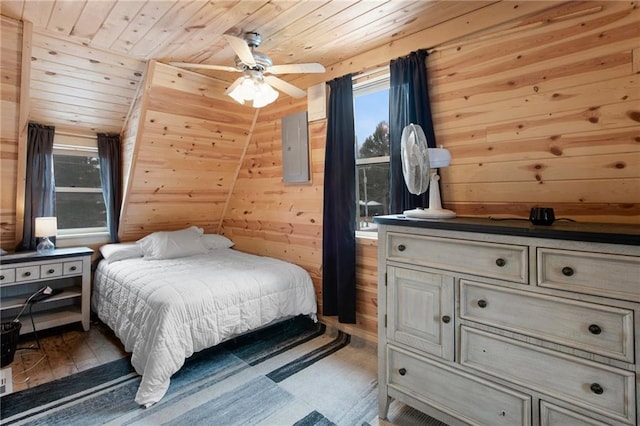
165 310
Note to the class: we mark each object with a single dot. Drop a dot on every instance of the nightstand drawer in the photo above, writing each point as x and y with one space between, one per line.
501 261
458 393
51 270
610 275
27 273
7 275
596 328
73 268
607 390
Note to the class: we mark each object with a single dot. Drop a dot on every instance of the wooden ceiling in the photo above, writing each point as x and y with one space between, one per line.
88 57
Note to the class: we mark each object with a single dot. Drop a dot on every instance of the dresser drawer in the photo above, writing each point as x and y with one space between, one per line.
501 261
51 270
615 276
596 328
7 275
471 399
607 390
27 273
73 268
552 415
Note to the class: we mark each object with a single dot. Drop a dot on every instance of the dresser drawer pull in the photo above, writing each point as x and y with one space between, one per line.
73 268
595 329
501 262
402 371
567 271
401 247
26 274
482 303
596 388
51 271
1 277
446 319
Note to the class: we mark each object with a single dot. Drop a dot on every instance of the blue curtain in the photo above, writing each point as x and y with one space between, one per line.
40 188
339 212
408 103
110 180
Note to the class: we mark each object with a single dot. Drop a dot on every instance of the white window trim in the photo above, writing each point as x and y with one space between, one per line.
79 145
364 84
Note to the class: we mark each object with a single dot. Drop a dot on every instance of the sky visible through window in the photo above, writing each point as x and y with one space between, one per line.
370 109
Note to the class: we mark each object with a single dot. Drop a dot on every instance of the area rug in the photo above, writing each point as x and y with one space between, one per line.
292 373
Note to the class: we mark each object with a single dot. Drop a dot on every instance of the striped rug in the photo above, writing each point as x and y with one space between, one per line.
292 373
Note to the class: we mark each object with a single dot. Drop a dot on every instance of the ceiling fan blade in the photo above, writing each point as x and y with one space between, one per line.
296 68
284 86
242 49
234 85
204 66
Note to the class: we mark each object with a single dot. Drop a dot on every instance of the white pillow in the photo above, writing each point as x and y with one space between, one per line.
173 244
216 241
120 251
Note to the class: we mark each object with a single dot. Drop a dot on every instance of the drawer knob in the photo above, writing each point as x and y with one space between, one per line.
73 268
446 319
27 274
482 303
401 247
51 271
595 329
501 262
402 371
596 388
567 271
1 277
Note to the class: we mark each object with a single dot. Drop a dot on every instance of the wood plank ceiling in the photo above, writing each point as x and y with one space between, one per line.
88 57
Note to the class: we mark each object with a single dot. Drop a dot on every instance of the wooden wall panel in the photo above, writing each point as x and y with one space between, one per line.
183 144
547 115
11 53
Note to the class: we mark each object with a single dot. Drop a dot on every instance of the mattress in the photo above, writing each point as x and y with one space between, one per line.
163 311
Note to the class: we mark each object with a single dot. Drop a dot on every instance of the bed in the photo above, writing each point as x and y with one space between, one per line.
166 308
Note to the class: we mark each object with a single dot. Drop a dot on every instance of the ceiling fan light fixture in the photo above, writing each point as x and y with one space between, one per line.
253 88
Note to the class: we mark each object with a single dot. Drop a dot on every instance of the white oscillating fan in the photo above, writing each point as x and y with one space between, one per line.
420 166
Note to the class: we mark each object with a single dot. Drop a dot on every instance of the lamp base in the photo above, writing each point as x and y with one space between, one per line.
45 246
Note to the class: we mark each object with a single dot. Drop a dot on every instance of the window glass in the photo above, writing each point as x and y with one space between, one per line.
371 112
79 203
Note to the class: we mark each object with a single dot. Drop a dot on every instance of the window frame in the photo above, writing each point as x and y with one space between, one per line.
374 81
81 146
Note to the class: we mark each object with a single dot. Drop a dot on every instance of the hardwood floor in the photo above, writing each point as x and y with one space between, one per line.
63 351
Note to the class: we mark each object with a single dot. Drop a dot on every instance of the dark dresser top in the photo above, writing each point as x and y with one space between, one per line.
560 230
34 256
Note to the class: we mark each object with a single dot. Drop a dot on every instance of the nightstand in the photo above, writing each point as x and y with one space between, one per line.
67 271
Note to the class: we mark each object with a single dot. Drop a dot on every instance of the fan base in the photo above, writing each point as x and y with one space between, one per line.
429 213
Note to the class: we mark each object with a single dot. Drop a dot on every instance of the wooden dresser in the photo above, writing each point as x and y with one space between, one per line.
507 323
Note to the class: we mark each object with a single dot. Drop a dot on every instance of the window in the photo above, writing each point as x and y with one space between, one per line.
371 113
79 203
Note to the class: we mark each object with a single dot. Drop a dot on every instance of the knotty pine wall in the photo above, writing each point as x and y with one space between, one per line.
182 149
540 112
11 53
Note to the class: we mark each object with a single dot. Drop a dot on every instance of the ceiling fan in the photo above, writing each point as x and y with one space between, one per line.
254 85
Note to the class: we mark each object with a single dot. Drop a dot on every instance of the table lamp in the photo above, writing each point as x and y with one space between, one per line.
45 228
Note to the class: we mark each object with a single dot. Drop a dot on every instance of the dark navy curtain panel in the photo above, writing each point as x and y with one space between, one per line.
40 188
339 212
110 180
408 103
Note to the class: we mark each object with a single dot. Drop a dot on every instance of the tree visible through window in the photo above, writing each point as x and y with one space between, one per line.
371 111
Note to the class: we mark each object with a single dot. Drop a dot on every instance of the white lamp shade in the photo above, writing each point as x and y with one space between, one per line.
253 88
46 226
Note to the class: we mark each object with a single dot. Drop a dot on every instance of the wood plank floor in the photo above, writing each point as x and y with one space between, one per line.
63 351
